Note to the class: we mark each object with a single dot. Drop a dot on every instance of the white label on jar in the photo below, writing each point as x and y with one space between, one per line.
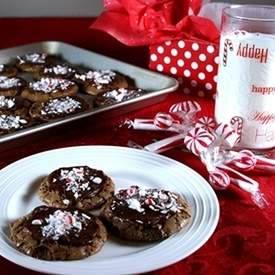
246 86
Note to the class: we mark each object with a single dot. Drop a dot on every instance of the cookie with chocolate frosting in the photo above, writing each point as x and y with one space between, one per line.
10 86
11 122
64 71
81 187
8 71
58 234
33 62
49 88
146 214
95 82
14 105
58 108
117 96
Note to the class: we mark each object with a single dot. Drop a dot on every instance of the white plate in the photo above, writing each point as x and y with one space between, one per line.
127 167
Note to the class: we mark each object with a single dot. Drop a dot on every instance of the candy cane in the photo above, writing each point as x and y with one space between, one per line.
237 123
227 44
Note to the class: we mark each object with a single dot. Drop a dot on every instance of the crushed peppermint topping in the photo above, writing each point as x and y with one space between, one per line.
9 82
59 70
122 94
6 102
64 105
8 122
155 199
38 58
2 67
75 180
99 78
50 85
61 223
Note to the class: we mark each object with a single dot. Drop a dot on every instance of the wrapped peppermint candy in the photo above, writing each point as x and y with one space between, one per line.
215 151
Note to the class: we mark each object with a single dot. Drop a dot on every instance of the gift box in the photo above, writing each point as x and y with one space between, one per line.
194 63
183 39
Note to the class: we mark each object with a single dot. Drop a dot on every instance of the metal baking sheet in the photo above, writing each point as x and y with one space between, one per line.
156 85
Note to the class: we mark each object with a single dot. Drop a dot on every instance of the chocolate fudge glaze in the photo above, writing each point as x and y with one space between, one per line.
56 184
147 215
72 237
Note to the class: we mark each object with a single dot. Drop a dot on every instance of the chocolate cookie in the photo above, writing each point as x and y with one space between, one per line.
95 82
7 71
58 108
14 105
56 234
10 86
79 186
49 88
146 214
33 62
12 122
117 95
56 71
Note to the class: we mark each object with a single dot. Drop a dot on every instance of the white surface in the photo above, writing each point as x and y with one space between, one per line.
127 167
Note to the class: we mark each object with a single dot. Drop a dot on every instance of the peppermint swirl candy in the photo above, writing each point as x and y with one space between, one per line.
198 140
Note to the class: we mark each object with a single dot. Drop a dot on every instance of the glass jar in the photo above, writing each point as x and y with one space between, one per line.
246 76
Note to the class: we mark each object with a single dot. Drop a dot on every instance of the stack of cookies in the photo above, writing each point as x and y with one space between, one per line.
67 228
47 87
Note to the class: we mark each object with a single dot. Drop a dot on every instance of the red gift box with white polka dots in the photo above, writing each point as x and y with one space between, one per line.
193 63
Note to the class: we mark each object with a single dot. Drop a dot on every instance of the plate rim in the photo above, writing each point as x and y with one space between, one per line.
207 236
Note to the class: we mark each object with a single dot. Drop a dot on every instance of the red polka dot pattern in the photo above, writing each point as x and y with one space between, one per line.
194 63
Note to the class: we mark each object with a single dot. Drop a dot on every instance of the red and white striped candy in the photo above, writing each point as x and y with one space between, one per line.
206 123
163 120
219 179
186 107
245 160
197 140
227 133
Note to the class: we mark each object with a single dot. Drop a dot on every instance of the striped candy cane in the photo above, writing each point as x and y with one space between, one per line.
227 45
237 124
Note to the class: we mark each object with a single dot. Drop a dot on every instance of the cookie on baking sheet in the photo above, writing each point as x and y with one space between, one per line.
95 82
64 71
117 96
58 108
11 122
58 234
146 214
14 105
33 62
10 86
8 71
78 186
49 88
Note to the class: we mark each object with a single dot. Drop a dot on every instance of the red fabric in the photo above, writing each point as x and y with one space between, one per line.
244 241
154 21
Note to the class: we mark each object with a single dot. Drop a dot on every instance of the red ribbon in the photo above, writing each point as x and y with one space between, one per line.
146 22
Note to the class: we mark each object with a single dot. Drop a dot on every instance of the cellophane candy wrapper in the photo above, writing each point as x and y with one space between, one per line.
182 37
213 143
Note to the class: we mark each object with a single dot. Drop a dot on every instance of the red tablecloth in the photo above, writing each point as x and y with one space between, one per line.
244 241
